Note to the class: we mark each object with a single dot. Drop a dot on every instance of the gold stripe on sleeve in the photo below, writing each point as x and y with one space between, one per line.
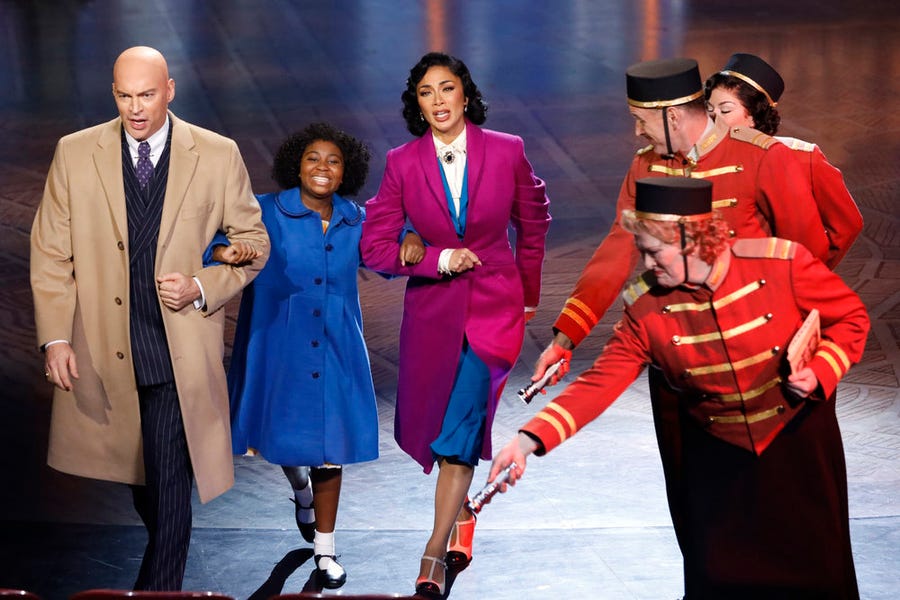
838 352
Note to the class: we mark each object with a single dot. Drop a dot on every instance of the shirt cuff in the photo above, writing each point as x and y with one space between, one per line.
50 343
444 261
200 302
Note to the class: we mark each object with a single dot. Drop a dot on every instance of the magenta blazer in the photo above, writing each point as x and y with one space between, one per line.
485 304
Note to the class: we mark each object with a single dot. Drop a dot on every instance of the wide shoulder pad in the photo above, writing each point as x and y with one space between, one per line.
764 248
638 287
752 136
644 150
795 144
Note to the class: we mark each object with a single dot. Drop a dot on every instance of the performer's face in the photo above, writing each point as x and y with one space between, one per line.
142 90
648 124
442 102
663 259
724 104
321 169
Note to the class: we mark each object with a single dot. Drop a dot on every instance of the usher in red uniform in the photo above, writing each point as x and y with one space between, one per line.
759 187
765 490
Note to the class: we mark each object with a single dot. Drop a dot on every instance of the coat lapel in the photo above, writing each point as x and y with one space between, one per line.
182 165
474 160
429 164
108 162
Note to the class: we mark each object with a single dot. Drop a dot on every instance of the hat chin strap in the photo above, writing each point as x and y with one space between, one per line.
669 152
683 255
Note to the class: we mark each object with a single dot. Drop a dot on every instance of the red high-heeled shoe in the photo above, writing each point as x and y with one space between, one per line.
428 585
459 548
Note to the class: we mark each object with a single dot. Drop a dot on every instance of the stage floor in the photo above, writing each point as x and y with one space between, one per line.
587 521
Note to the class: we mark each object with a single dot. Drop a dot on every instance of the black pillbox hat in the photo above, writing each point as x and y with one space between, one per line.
673 199
757 73
665 82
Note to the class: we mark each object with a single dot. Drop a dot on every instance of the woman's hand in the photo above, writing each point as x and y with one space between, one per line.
803 383
412 250
463 259
238 253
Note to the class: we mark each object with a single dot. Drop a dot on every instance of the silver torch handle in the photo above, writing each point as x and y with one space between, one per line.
487 492
527 394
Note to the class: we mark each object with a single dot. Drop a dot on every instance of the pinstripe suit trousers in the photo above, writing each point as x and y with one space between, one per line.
164 503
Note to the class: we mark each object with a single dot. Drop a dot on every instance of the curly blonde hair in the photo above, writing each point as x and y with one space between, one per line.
710 237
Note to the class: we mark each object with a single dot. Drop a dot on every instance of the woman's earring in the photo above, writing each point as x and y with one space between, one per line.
421 117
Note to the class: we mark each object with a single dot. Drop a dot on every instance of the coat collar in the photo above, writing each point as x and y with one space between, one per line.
475 154
288 203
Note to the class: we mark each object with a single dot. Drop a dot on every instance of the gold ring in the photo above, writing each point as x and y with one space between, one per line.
47 374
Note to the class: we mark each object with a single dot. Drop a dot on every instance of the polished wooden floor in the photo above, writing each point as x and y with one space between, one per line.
589 521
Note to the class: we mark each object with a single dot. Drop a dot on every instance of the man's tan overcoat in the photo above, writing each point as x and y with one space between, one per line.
80 281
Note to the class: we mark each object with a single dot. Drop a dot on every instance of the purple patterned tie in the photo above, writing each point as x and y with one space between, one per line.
143 168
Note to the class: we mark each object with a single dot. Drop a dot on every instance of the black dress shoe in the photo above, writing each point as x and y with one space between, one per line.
307 530
333 576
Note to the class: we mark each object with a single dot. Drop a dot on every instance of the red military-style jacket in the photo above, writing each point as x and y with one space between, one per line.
722 345
759 187
837 209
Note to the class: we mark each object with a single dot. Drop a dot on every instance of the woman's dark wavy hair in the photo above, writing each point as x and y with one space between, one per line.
286 167
476 109
765 116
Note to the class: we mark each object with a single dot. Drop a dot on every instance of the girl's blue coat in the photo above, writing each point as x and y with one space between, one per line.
300 382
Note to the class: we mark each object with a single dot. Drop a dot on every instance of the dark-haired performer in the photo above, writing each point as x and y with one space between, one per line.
764 494
460 187
745 94
300 383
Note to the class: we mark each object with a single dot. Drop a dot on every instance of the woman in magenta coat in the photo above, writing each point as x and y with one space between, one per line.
466 302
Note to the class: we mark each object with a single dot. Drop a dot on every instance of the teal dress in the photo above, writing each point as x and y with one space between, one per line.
462 429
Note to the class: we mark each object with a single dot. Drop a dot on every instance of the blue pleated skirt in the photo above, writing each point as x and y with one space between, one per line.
462 431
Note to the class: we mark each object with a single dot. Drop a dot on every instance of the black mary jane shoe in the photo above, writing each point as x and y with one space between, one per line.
307 530
333 576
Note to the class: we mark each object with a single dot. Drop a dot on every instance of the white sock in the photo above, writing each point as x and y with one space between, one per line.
323 546
324 543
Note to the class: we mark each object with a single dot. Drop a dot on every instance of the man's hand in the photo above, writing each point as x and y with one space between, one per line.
59 365
560 347
238 253
177 290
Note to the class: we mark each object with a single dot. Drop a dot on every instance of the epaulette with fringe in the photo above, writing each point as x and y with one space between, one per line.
765 248
795 144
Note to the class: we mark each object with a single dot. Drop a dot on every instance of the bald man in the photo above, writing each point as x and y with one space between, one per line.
128 319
